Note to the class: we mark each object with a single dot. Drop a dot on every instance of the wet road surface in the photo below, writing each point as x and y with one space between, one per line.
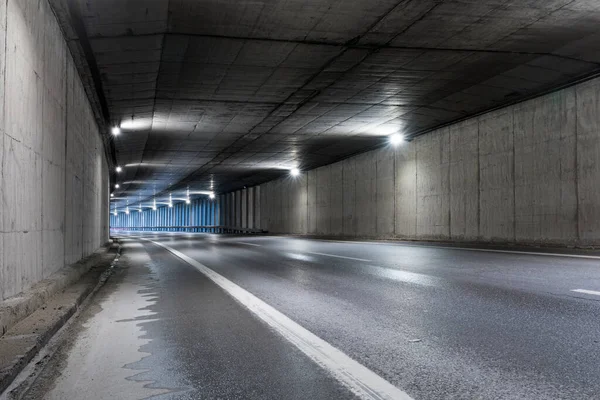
434 322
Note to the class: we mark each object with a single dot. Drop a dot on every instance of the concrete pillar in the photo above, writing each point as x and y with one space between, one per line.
238 209
251 208
244 208
257 207
219 217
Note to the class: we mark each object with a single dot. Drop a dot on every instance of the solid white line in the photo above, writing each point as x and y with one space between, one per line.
250 244
535 253
333 255
363 382
586 291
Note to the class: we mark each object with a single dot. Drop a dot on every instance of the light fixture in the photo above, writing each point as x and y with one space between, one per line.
187 199
170 201
154 201
136 124
295 172
116 131
115 213
118 169
396 139
127 210
117 186
211 195
112 195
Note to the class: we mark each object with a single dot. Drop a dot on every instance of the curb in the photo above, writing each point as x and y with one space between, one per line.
17 308
21 343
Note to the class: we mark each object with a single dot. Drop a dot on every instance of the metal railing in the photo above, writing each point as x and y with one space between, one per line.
198 228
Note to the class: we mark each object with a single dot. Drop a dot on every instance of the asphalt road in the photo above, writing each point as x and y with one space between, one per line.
434 322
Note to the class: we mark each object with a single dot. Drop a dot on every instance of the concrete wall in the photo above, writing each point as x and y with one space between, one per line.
528 173
53 172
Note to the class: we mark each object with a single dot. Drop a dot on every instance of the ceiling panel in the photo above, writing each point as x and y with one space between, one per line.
231 93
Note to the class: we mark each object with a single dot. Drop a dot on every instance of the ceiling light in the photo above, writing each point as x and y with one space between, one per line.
295 172
396 139
187 201
211 195
118 169
112 195
116 131
117 186
136 124
127 211
115 213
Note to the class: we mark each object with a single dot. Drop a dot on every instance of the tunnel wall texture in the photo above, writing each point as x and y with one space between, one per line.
527 173
53 171
240 209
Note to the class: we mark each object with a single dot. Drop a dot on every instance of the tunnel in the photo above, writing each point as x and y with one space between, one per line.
299 199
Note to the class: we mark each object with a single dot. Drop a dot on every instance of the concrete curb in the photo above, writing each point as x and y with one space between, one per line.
20 344
14 309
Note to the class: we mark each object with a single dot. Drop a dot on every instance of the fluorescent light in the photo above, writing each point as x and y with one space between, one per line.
136 124
116 131
206 192
295 172
118 169
396 139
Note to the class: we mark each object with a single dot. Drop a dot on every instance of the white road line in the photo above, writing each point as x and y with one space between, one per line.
535 253
586 291
333 255
363 382
249 244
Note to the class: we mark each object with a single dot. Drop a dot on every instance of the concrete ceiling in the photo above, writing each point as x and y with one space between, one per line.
236 92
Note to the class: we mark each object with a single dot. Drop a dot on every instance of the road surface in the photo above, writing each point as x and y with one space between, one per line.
291 318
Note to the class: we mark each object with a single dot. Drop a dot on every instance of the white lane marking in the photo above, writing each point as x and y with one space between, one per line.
333 255
533 253
249 244
363 382
586 291
451 248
